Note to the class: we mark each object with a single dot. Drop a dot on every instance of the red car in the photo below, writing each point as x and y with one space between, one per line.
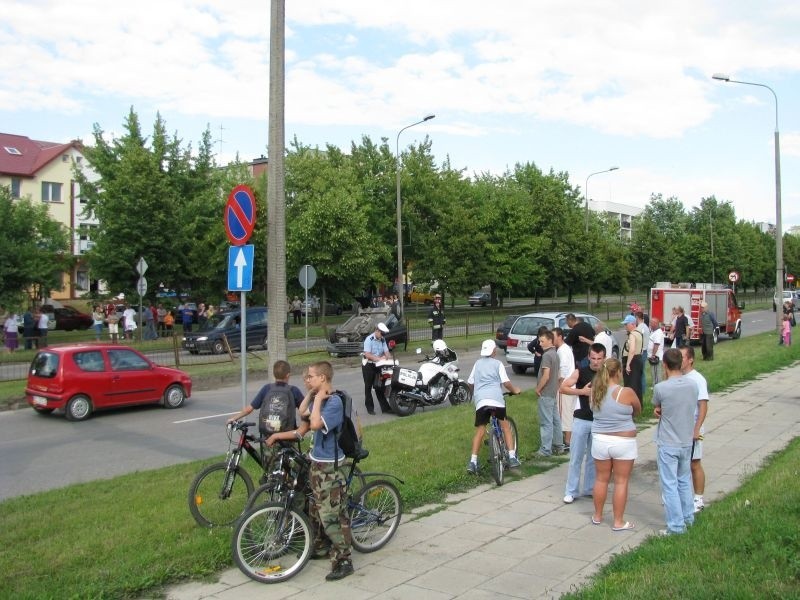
81 378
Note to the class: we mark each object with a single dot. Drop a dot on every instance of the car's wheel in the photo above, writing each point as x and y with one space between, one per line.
615 352
519 369
737 332
716 336
43 411
78 408
217 347
174 396
265 345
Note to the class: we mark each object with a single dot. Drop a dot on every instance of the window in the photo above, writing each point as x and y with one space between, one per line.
16 184
125 360
90 361
65 158
51 192
44 364
12 150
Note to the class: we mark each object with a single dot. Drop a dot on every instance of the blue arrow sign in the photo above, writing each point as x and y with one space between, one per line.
240 268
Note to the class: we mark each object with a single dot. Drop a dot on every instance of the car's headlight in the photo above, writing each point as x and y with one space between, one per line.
202 338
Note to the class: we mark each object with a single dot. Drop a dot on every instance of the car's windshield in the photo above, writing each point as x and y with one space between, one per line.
45 364
220 321
530 325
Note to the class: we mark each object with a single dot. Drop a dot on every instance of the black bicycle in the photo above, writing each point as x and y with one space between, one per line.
218 495
272 542
498 450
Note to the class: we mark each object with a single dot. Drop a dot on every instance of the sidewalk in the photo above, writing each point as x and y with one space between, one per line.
520 540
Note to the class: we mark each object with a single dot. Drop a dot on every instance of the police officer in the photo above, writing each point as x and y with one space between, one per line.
375 349
436 318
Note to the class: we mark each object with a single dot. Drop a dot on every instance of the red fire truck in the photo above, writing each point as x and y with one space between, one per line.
721 301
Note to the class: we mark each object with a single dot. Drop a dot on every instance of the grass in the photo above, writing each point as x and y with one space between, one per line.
745 546
126 536
131 535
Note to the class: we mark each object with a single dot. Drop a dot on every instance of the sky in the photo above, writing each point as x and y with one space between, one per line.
576 87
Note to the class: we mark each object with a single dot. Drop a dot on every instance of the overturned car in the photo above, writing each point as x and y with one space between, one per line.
348 338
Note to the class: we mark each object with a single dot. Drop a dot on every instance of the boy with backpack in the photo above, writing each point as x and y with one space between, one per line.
276 402
325 409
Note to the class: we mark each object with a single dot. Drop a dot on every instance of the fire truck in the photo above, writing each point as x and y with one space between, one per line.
721 301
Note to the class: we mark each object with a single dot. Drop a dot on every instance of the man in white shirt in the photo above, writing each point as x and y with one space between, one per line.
129 315
655 349
601 336
566 402
43 324
698 473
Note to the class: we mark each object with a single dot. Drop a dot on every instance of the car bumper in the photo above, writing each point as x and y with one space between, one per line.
42 400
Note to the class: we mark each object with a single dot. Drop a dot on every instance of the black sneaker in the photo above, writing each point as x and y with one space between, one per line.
342 570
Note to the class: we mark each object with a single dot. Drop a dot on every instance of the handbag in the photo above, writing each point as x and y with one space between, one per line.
653 360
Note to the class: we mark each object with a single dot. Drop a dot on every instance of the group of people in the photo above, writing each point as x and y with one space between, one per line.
321 411
591 399
35 324
788 322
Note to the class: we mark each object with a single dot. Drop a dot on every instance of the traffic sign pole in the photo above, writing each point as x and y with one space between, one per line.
243 354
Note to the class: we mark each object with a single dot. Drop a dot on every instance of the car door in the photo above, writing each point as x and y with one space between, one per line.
131 378
88 374
256 327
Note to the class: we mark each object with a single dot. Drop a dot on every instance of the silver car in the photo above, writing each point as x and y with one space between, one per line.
525 329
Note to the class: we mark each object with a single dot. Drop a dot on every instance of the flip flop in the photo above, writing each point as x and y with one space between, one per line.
596 522
627 527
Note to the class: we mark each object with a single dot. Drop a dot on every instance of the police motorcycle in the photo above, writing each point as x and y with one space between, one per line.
435 382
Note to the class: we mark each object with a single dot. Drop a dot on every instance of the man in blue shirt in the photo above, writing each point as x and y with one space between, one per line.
375 349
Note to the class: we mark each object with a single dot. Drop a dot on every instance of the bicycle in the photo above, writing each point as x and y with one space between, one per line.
498 452
218 495
273 542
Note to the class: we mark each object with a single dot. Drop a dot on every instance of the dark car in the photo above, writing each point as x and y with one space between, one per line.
67 318
501 335
226 325
348 338
480 299
81 378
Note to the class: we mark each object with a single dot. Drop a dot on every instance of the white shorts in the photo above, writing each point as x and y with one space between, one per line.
606 447
566 409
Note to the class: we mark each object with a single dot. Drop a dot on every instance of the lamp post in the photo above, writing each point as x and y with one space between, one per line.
400 286
586 191
778 224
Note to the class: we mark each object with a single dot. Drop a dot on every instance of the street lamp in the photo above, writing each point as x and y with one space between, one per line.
400 286
586 191
778 224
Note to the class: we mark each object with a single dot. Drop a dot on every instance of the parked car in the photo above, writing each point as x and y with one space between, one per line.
82 378
348 338
67 318
524 330
331 308
789 295
480 299
226 325
501 335
421 295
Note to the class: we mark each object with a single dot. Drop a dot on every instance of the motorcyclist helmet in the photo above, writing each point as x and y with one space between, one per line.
439 346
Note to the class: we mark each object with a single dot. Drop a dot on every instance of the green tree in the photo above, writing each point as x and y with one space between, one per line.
152 199
34 250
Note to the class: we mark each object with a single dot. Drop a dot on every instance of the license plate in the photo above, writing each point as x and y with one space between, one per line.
189 344
40 401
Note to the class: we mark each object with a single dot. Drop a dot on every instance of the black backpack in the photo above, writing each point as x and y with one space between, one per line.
277 411
348 437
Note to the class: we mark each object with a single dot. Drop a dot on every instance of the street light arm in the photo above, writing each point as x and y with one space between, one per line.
586 191
726 79
399 210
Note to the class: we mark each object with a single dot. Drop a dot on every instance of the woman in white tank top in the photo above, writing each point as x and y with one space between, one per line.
613 440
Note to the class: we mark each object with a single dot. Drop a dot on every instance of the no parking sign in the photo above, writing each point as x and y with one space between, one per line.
240 215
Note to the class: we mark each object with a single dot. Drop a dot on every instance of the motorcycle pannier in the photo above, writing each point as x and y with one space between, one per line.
404 378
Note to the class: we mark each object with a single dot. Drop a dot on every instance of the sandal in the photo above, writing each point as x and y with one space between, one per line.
627 527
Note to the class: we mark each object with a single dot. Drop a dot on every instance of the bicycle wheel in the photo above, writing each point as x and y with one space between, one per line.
218 496
272 543
375 515
513 433
496 447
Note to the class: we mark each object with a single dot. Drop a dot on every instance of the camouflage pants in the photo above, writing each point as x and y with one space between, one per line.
328 512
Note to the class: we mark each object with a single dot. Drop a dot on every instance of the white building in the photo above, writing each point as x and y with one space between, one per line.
623 213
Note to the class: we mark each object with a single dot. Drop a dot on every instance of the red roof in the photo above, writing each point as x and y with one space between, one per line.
32 154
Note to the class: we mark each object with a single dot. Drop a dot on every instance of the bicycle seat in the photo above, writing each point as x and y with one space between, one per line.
362 454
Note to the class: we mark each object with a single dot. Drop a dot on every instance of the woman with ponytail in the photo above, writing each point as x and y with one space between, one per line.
613 440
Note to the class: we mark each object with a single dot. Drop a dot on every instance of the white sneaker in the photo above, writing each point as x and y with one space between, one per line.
698 505
569 499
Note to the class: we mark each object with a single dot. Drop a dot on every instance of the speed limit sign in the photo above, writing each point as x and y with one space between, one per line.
733 276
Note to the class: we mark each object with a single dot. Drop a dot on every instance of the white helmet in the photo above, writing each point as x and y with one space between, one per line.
439 346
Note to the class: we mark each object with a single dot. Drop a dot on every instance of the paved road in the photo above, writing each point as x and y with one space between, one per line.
40 452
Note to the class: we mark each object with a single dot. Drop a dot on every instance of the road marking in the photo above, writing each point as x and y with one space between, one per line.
203 418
